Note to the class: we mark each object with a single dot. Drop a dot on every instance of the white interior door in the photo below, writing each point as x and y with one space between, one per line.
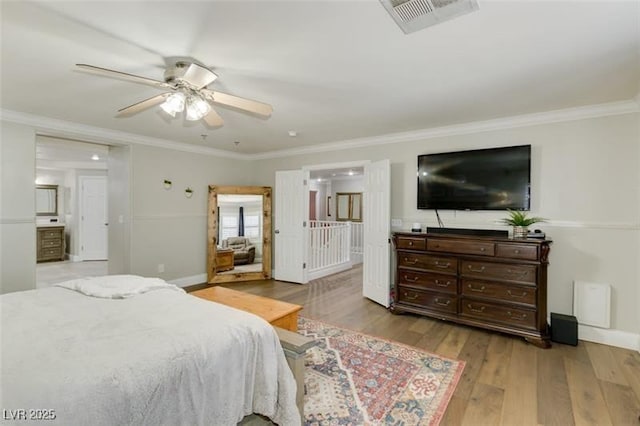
93 218
291 204
376 226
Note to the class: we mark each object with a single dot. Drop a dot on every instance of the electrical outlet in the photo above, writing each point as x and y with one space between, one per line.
160 267
396 223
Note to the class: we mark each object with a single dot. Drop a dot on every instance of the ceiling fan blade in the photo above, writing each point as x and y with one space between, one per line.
213 119
142 105
199 76
243 104
125 76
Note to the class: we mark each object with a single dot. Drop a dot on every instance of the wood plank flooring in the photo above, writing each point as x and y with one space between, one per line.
506 381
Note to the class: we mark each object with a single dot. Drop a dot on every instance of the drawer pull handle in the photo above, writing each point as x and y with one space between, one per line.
445 303
441 284
483 249
410 262
472 309
524 293
410 243
479 290
442 265
516 251
475 270
413 297
517 317
413 280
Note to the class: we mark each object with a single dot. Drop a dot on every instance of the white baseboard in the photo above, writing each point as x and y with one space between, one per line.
618 338
319 273
187 281
75 258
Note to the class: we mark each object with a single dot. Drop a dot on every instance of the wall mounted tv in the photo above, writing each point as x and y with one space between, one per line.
483 179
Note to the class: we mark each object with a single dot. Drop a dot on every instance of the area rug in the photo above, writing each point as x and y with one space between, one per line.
356 379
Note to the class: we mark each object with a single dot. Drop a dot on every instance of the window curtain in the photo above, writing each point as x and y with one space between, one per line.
241 222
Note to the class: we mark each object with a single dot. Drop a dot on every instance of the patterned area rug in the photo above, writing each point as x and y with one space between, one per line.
356 379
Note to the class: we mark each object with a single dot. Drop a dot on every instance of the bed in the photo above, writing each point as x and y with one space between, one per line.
125 350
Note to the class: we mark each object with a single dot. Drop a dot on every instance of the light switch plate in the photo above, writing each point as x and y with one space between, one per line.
396 223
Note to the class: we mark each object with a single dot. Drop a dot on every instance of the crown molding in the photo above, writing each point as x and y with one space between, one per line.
568 114
67 129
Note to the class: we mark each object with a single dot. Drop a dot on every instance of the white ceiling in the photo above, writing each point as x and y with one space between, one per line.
333 70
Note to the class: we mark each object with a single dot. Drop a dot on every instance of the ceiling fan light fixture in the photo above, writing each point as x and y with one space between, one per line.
196 108
173 104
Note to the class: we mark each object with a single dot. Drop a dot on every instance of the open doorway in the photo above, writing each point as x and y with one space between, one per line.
335 203
71 233
292 236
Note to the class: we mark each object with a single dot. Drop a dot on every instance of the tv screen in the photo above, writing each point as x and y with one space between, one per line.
483 179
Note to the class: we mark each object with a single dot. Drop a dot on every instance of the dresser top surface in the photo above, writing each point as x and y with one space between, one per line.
473 237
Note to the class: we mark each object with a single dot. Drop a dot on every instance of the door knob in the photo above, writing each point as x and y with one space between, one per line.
277 231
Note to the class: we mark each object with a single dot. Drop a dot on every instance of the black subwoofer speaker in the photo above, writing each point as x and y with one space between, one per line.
564 329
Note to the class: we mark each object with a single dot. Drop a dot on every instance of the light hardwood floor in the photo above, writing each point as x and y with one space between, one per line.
506 381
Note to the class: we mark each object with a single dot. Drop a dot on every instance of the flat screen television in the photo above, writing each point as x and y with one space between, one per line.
482 179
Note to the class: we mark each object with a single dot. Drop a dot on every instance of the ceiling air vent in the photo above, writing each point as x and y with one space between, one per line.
414 15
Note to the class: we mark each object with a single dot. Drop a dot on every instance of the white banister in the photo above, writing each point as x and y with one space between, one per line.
329 247
357 242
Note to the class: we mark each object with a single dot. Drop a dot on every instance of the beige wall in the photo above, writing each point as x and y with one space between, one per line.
168 228
17 208
119 207
585 179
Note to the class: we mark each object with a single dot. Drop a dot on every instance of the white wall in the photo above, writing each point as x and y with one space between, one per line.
323 190
585 179
17 208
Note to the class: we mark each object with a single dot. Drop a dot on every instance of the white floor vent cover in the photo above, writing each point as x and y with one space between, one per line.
592 303
414 15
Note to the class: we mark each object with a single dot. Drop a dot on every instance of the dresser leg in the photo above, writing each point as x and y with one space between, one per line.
539 342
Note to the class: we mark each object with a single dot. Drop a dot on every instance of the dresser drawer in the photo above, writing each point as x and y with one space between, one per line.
507 292
517 251
427 262
51 243
51 233
51 253
429 300
443 283
501 271
462 246
413 243
505 314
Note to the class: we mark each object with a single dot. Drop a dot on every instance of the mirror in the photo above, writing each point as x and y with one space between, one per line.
239 233
349 206
46 200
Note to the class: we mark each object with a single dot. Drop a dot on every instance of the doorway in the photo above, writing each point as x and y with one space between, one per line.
67 163
292 203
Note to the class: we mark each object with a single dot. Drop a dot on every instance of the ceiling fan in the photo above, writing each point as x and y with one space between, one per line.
186 84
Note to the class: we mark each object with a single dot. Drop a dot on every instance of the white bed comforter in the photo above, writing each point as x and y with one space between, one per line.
159 358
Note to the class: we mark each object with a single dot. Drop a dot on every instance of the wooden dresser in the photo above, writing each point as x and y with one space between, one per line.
50 243
494 283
